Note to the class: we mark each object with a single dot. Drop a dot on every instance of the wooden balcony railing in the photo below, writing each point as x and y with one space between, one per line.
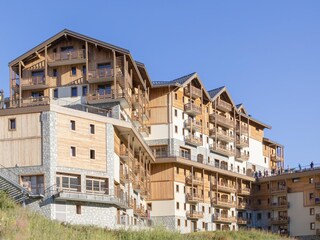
194 125
194 198
280 220
102 96
193 140
194 214
222 149
241 142
223 105
279 190
225 187
221 135
194 179
242 129
276 158
242 221
195 92
67 55
244 191
280 204
224 218
221 120
242 205
34 82
243 156
192 109
221 202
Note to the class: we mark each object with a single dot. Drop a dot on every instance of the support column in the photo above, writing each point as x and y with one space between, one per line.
20 82
87 66
115 74
46 77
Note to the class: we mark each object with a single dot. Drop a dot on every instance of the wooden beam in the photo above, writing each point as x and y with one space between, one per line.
114 74
20 77
46 69
22 64
38 55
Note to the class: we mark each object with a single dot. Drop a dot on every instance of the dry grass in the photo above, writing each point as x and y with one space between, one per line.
18 223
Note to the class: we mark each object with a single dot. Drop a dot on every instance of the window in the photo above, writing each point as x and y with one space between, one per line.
312 211
182 115
185 153
84 90
55 73
99 185
12 124
311 180
312 226
176 96
92 129
265 160
92 154
78 209
84 70
55 93
178 223
311 196
185 206
269 215
259 216
149 130
175 112
259 201
178 205
73 125
73 71
176 129
177 170
203 209
68 182
74 92
186 223
73 151
203 225
34 184
177 188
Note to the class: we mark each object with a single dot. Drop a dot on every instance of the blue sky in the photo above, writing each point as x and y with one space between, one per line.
266 52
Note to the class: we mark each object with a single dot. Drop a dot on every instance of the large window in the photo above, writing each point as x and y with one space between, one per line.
185 153
97 185
160 151
34 184
74 92
68 182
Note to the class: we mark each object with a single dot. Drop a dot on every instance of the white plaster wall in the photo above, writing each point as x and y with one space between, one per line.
178 121
159 131
256 153
163 208
300 217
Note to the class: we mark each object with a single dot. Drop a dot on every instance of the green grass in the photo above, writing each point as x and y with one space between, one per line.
20 223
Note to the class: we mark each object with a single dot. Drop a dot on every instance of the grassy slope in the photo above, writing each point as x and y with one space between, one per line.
19 223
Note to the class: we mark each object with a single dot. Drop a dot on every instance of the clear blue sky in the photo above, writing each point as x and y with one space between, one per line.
266 52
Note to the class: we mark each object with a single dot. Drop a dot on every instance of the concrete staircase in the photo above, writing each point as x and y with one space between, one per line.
16 192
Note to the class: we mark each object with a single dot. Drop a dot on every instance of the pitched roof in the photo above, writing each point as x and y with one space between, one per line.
175 82
214 92
238 105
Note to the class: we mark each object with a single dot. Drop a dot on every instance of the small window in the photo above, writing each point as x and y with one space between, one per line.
84 70
295 180
55 93
177 188
73 125
92 154
74 92
178 222
176 96
259 201
311 180
311 196
176 129
55 73
177 170
265 160
178 205
312 226
12 124
186 223
73 71
259 216
73 151
203 209
149 130
185 206
182 115
269 215
175 112
78 209
84 90
92 129
312 211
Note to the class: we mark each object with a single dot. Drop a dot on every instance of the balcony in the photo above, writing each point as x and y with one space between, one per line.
242 156
222 135
280 220
222 149
242 221
244 191
144 130
103 96
195 180
193 140
223 105
224 187
279 190
242 143
280 205
138 186
242 130
223 203
276 158
194 93
194 214
224 218
30 102
71 57
221 120
194 198
125 154
192 109
192 124
124 176
33 83
242 206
